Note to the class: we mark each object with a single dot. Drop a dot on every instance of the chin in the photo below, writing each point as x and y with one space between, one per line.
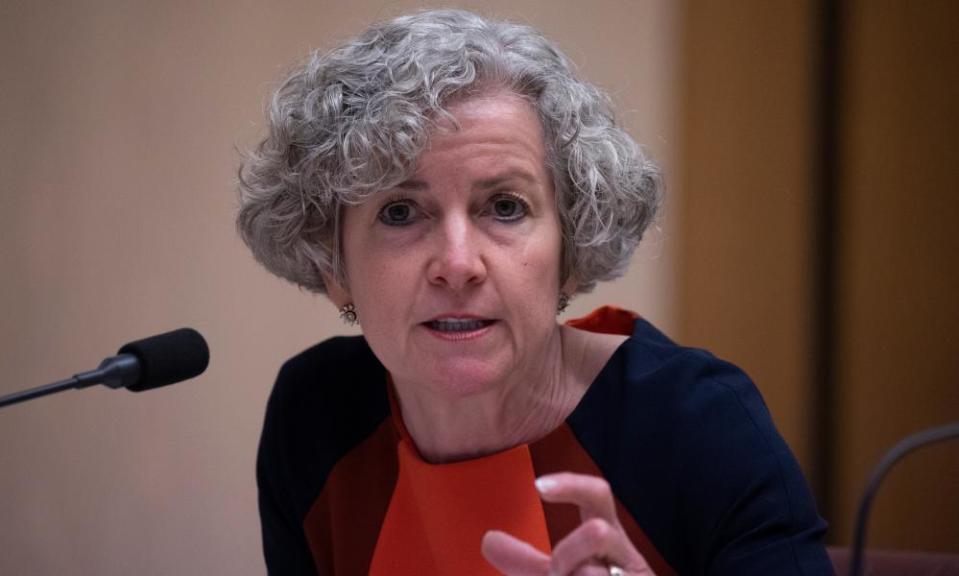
462 378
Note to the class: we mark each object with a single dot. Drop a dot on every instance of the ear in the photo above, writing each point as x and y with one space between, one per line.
337 294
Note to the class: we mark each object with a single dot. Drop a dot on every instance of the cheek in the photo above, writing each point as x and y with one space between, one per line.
377 288
366 263
540 258
382 285
537 272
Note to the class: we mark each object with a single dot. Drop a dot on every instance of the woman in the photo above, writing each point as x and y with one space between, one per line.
449 184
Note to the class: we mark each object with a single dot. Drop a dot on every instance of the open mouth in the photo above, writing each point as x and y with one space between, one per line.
458 325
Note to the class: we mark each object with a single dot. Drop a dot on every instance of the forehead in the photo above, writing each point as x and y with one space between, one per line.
490 103
494 128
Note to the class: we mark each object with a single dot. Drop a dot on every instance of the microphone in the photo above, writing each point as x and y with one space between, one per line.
141 365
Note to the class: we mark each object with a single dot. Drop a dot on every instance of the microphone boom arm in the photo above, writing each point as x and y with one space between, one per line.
115 372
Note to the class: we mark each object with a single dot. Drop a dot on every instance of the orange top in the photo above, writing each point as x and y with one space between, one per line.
437 508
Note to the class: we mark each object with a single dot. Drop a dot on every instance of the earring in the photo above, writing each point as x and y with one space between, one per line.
348 314
562 304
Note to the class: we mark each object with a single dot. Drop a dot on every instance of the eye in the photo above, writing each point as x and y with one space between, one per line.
507 208
399 213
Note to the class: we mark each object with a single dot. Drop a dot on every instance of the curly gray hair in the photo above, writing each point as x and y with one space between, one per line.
353 121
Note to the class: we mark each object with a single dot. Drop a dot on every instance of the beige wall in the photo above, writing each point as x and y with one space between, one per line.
118 122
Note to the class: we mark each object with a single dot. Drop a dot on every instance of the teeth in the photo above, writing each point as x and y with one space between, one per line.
457 325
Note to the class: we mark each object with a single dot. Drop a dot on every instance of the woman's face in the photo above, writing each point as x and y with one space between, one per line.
455 273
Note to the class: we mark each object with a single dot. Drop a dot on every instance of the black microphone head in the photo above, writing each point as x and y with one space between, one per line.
168 358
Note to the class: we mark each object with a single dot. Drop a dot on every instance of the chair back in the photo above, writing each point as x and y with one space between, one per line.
897 563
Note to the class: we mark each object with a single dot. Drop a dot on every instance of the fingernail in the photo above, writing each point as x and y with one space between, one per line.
545 485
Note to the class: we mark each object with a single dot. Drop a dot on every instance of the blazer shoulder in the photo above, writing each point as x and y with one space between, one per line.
330 392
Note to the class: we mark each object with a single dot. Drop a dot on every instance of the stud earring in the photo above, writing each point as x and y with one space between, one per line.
348 314
562 304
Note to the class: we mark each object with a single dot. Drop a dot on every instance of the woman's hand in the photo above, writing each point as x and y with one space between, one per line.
598 544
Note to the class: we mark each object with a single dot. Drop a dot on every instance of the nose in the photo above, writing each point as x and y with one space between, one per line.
457 261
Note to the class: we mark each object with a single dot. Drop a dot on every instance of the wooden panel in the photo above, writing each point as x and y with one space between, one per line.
744 267
899 280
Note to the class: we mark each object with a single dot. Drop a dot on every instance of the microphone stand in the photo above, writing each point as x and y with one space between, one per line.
903 447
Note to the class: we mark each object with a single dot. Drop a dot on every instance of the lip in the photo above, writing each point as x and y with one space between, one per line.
459 336
457 316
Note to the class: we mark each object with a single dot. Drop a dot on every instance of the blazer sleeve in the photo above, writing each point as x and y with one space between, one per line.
758 516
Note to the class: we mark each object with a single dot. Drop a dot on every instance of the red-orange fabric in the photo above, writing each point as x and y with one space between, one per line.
606 320
353 501
439 513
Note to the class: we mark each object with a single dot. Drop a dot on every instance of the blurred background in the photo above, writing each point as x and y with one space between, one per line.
810 236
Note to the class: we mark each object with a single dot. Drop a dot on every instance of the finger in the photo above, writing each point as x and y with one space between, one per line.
590 493
594 569
512 556
592 541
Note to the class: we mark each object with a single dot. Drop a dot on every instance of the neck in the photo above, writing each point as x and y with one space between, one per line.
528 407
